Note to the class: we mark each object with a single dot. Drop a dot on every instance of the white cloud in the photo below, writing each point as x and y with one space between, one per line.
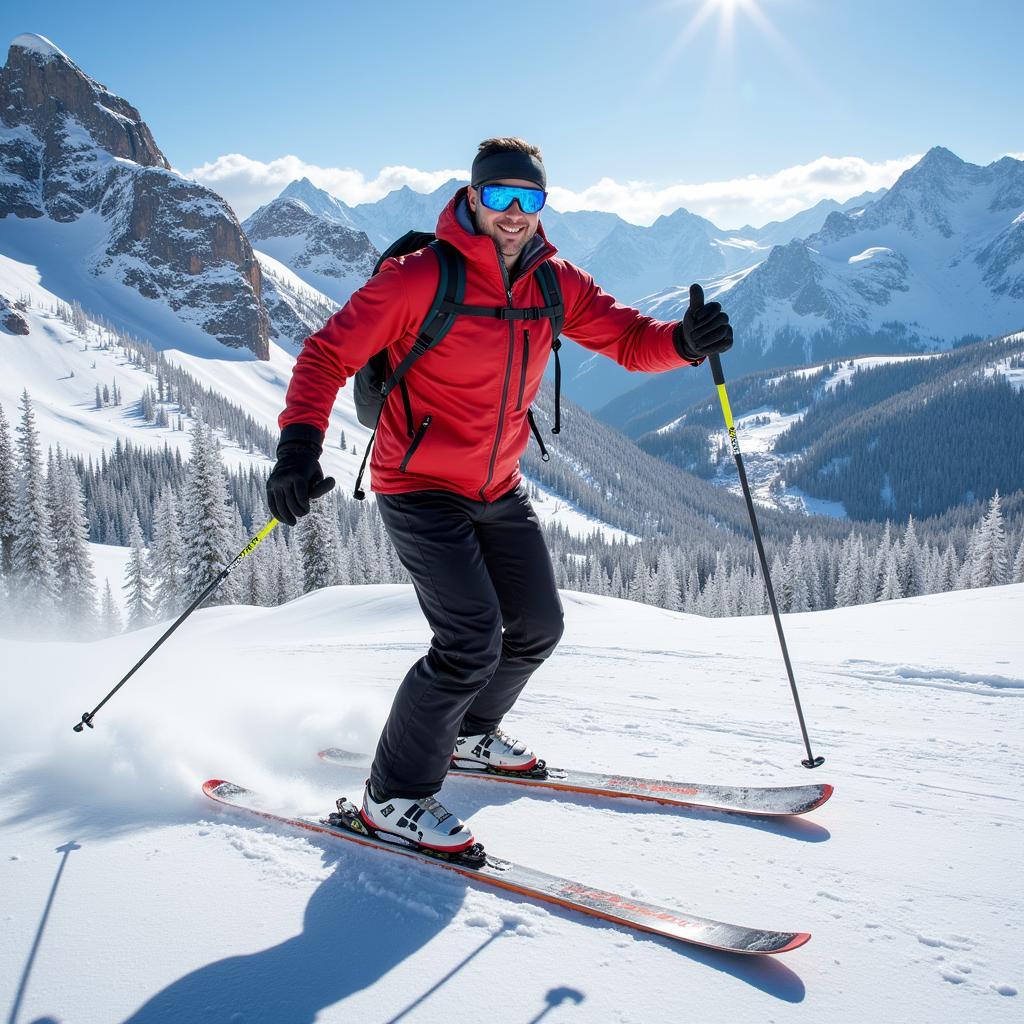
1016 156
754 199
247 184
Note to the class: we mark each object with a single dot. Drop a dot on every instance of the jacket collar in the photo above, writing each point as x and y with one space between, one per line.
455 225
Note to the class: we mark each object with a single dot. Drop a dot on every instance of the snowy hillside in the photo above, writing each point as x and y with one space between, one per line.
817 428
128 897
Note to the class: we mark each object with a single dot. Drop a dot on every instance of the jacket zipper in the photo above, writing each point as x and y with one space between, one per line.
522 375
415 443
508 375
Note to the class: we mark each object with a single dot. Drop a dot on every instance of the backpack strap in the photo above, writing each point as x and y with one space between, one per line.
451 287
548 281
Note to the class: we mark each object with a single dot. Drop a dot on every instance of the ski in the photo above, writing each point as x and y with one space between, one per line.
475 864
768 801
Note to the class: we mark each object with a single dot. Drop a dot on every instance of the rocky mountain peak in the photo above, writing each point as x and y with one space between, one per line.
43 87
70 147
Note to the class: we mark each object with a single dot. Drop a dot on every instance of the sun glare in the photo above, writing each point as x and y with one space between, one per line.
726 15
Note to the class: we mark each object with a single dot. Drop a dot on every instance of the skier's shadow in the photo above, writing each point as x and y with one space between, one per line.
350 939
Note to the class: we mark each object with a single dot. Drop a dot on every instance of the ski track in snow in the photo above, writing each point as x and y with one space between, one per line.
171 909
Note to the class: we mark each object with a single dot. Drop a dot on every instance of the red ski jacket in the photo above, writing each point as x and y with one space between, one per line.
470 395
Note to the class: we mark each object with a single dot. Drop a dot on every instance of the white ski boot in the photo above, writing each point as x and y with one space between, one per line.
495 751
422 822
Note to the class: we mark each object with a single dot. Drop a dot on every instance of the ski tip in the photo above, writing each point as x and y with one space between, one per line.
798 940
210 786
826 793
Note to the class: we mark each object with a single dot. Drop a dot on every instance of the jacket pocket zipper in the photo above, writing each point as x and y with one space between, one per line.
415 443
522 376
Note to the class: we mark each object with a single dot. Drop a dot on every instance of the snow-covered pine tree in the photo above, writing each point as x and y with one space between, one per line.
205 517
797 573
880 569
988 562
165 558
908 562
33 583
8 496
636 588
320 543
76 595
136 583
1017 572
666 583
110 616
890 589
363 566
848 587
260 585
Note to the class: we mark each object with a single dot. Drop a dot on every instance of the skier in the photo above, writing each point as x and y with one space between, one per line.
445 470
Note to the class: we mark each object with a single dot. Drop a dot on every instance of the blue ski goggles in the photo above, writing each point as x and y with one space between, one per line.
501 197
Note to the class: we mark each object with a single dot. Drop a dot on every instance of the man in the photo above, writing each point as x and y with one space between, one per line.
445 469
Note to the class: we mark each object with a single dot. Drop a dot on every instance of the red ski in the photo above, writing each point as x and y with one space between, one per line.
765 801
622 911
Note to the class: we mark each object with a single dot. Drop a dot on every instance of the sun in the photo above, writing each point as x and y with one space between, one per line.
725 11
726 14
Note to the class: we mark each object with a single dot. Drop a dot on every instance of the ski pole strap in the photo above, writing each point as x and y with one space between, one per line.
536 433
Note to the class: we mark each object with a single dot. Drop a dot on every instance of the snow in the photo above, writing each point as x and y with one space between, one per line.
38 44
851 366
760 438
811 506
867 254
127 896
553 508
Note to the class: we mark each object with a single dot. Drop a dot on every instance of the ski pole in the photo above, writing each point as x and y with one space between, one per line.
317 491
719 377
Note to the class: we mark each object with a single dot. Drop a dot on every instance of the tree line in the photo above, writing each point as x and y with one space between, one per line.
195 516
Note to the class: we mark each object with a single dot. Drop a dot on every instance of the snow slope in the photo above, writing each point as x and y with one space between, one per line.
127 897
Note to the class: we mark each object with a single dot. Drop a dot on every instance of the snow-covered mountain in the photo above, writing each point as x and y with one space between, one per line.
129 897
87 197
938 258
305 227
800 225
328 255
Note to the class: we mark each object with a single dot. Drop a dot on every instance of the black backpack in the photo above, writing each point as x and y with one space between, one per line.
375 381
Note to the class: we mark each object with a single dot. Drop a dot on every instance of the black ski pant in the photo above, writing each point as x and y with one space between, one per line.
484 579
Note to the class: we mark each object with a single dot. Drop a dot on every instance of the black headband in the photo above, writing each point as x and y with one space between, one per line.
508 164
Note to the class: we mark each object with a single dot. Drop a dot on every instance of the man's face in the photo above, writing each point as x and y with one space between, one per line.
510 228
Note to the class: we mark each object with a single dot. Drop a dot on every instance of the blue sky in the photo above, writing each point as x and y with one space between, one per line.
639 107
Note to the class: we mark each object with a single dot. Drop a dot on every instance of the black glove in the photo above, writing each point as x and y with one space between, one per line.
297 477
704 330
